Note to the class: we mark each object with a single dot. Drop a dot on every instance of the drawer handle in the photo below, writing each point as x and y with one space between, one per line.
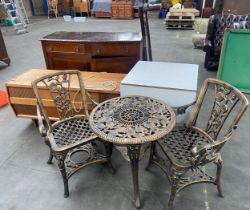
77 49
98 50
50 48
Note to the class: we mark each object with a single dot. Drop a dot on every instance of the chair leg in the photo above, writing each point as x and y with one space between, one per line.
50 157
171 198
46 141
151 156
174 186
60 157
218 177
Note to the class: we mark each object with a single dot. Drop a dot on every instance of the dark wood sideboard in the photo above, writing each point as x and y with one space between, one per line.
113 52
3 52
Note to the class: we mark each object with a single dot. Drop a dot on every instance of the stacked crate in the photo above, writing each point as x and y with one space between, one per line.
181 18
122 9
189 3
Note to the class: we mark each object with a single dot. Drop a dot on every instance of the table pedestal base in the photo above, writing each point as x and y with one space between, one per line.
134 156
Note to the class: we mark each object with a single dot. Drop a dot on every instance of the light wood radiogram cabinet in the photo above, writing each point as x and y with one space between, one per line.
113 52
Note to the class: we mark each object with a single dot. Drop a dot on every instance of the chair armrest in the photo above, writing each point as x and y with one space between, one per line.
41 123
203 154
207 152
94 103
182 109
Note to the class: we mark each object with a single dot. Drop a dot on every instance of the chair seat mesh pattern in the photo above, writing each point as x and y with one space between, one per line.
71 131
180 142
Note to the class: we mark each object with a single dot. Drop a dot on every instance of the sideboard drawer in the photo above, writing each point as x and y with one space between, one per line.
114 49
111 65
65 47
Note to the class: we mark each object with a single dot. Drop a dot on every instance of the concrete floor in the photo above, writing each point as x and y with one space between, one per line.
27 182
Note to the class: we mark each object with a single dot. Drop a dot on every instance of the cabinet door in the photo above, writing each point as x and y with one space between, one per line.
115 13
115 49
121 11
61 61
128 12
113 65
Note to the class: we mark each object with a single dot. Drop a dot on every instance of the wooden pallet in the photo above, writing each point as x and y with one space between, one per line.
184 11
179 26
181 18
180 22
103 15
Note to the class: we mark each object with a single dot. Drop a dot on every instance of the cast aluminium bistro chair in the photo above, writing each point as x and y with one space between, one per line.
183 153
71 133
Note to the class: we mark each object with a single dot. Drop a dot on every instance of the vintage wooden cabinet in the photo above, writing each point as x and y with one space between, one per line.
82 6
100 85
3 52
122 9
110 52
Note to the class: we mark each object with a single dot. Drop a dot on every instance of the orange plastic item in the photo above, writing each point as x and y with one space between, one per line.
3 98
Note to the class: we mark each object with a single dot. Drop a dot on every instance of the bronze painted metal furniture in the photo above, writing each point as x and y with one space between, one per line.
132 121
71 134
187 149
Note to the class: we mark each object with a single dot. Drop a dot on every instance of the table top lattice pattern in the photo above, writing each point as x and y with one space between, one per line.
132 120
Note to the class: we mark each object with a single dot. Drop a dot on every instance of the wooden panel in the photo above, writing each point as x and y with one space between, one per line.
122 9
101 86
103 14
107 49
27 7
38 7
81 6
61 60
120 65
241 7
93 37
64 47
75 50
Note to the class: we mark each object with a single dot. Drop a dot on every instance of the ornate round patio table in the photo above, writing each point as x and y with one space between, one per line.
132 121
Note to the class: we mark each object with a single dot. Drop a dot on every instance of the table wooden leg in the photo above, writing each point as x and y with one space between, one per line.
134 155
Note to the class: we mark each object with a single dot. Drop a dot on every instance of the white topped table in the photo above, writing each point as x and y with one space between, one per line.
173 83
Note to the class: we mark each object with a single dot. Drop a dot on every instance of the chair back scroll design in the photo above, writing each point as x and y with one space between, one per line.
226 98
59 87
190 147
71 134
